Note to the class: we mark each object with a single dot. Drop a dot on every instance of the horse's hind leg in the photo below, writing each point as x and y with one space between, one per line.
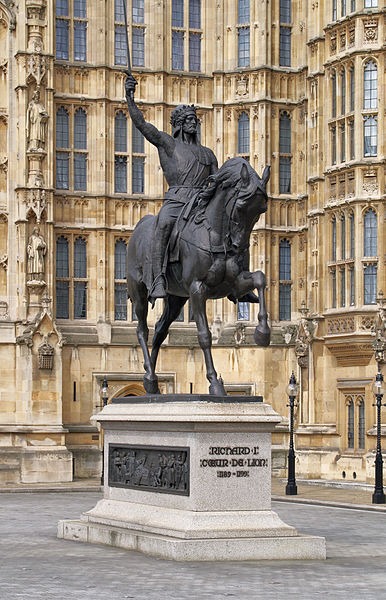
262 333
172 308
138 296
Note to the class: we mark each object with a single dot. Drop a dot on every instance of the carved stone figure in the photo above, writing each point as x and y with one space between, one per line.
37 118
36 251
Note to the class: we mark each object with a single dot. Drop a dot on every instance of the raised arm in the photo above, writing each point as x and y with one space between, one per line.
160 139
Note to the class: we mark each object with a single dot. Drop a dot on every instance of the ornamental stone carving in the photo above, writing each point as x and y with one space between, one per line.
36 66
370 31
36 201
12 10
340 325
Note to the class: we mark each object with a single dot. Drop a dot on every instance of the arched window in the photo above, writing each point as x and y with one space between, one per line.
370 136
285 33
370 85
80 143
343 237
361 425
120 147
370 284
352 88
80 274
62 146
120 128
333 238
71 151
370 234
71 21
138 33
62 278
120 288
333 94
137 162
62 128
352 235
284 153
350 424
343 92
243 134
285 282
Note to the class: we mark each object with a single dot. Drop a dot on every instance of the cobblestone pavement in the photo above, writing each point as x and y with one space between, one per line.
35 565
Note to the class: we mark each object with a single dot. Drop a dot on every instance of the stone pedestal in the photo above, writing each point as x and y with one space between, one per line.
189 478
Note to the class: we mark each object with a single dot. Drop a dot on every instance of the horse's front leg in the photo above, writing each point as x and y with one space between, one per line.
138 296
198 300
262 332
246 282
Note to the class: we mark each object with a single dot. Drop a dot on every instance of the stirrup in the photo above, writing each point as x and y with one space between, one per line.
158 288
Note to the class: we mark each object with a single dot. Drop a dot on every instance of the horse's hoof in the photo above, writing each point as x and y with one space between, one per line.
217 389
151 386
262 338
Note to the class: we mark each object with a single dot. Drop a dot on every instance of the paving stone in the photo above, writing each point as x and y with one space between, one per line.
36 565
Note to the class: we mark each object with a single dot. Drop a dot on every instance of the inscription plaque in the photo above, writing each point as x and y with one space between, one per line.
149 468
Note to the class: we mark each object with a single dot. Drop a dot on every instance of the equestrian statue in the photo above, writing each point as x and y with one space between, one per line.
197 247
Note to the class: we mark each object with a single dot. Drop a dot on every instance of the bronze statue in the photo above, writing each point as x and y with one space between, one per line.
186 165
210 242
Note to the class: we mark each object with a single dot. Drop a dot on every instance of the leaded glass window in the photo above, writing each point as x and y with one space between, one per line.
243 134
370 234
370 284
120 287
370 136
285 282
370 85
243 46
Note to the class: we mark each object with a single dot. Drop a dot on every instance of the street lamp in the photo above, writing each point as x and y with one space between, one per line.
378 390
292 392
104 393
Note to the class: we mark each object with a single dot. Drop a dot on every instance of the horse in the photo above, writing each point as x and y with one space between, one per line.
213 249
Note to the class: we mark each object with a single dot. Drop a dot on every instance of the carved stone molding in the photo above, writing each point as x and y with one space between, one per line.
340 325
46 354
12 11
3 310
4 163
4 261
36 67
36 201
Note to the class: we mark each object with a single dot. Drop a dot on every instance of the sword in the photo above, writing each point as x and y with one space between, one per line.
127 45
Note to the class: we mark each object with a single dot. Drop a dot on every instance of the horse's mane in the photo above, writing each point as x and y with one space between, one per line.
229 175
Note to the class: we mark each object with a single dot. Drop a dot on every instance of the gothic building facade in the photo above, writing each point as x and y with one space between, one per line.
299 85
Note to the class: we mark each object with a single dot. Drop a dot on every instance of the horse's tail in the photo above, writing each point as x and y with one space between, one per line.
139 252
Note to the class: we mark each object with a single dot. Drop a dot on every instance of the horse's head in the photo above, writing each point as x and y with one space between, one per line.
246 202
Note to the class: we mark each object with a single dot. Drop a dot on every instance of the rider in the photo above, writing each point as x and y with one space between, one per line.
186 165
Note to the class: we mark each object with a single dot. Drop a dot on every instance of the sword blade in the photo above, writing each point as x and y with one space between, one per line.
127 37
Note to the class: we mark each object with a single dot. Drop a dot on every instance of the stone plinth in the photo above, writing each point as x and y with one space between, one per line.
189 478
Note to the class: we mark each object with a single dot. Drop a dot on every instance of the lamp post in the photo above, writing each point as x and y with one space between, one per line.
292 392
104 392
378 390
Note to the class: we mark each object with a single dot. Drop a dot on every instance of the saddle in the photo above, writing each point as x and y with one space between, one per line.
193 216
